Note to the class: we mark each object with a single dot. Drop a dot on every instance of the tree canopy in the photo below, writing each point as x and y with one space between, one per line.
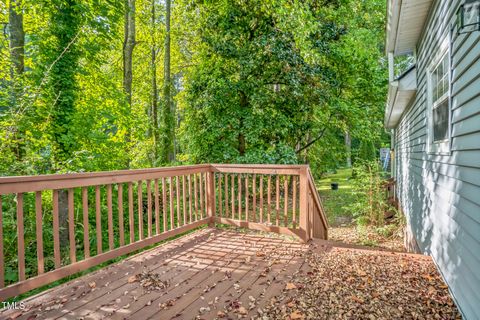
235 81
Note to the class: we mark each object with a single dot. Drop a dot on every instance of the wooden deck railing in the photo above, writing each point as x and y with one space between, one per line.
53 226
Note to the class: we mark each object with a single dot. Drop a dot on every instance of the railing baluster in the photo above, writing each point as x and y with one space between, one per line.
247 197
130 213
157 207
110 217
121 229
86 238
277 200
184 202
269 199
294 202
261 198
220 205
39 231
2 258
164 203
56 228
239 197
149 208
190 197
171 203
98 217
247 214
233 196
285 209
202 197
140 209
195 195
20 238
225 176
205 195
71 227
254 191
177 197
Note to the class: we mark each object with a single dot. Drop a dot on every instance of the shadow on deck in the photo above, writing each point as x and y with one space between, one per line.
202 272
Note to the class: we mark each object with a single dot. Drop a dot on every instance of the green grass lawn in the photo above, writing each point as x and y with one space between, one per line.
335 200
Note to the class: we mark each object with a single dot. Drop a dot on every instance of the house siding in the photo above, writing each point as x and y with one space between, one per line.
440 194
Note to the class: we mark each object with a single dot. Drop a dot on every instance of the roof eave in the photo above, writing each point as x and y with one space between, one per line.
400 94
402 37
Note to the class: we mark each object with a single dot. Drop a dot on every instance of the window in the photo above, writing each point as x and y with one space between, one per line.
439 94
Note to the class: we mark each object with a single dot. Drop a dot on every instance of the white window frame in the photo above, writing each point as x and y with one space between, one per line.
439 147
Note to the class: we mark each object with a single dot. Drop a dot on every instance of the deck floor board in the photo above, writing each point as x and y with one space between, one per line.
206 272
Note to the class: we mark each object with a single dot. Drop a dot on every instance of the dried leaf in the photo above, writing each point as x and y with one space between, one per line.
260 254
290 286
357 299
242 311
296 315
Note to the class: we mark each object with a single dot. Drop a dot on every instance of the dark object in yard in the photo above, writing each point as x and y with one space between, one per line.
389 214
334 186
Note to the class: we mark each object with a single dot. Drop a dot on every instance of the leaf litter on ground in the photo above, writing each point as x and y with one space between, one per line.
344 283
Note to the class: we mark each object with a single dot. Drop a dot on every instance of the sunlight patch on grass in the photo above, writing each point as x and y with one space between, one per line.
335 200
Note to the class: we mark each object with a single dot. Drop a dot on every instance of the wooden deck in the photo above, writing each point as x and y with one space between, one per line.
203 275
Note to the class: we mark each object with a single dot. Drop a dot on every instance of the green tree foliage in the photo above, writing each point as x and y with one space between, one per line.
272 81
284 82
62 54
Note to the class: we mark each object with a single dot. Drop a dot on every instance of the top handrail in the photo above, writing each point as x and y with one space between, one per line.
79 175
18 184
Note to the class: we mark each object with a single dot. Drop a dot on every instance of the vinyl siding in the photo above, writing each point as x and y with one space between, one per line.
440 194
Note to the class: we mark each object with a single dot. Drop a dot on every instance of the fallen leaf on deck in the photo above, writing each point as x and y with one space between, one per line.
242 310
290 286
260 254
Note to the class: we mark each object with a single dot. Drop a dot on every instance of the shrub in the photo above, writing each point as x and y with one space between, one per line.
369 201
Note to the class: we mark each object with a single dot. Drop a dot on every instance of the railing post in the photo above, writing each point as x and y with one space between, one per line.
211 197
304 219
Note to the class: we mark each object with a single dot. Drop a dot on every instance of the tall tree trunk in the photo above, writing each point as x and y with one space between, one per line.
154 111
17 52
348 147
128 46
168 109
62 89
17 38
62 86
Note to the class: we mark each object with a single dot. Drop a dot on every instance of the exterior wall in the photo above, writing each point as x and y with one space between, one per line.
440 194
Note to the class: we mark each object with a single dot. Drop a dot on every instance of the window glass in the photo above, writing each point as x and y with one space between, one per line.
440 101
440 122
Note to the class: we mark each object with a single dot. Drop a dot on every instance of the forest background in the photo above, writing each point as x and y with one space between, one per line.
90 85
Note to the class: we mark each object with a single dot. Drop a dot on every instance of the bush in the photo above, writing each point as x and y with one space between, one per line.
369 201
